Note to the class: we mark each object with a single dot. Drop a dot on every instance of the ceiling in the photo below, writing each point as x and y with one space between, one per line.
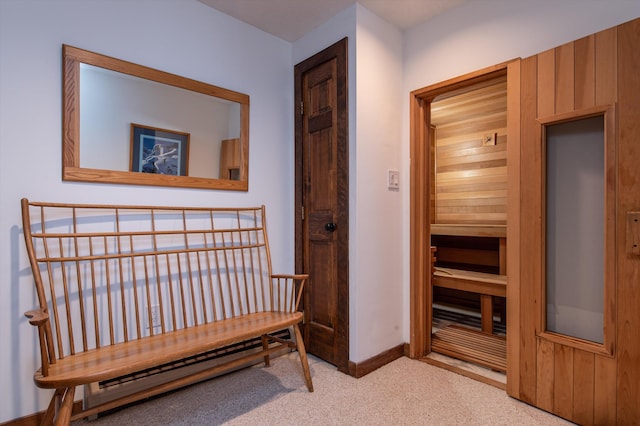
292 19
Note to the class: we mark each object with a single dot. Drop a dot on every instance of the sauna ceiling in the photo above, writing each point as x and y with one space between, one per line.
469 170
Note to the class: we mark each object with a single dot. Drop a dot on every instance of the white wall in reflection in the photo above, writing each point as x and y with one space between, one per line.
111 101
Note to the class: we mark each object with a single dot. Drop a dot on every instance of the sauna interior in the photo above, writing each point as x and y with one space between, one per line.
468 217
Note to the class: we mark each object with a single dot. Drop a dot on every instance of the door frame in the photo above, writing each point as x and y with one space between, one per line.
420 200
337 51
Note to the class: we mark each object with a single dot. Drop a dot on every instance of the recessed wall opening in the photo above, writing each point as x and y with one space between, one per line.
459 217
468 199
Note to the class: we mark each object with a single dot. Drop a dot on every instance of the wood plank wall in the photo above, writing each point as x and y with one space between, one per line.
561 379
584 386
471 177
628 266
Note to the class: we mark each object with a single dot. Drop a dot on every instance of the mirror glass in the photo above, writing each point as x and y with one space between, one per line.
126 123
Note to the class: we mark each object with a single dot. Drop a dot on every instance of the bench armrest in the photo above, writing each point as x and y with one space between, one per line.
297 282
37 317
40 319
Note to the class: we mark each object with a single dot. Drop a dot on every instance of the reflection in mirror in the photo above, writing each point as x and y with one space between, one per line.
110 101
195 134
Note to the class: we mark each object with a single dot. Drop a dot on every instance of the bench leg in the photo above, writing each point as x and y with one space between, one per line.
50 414
64 415
486 313
265 346
60 407
303 357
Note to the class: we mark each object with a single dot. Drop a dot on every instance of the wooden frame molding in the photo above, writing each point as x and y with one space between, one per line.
420 202
607 348
72 170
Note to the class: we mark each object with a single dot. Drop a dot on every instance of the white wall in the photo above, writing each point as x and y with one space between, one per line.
377 319
479 34
178 36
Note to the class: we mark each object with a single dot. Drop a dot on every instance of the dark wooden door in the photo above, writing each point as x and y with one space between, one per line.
322 231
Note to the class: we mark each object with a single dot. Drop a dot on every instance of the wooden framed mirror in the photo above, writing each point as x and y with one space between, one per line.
196 135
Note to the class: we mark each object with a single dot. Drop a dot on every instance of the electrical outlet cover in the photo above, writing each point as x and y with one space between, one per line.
155 316
489 139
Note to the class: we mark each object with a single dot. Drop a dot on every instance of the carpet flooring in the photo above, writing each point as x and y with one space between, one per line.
403 392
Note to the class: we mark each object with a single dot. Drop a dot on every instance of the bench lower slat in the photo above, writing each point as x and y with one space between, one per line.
126 358
174 384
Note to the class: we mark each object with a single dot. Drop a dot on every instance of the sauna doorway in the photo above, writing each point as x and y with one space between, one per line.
458 220
585 88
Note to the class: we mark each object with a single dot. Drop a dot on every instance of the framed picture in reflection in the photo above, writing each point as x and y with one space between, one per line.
159 151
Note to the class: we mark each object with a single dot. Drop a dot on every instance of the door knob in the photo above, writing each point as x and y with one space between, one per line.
330 227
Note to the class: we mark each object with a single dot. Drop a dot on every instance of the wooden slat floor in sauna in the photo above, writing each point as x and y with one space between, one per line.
474 346
442 317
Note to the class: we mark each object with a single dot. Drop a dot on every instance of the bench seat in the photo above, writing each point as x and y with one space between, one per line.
487 285
475 282
129 357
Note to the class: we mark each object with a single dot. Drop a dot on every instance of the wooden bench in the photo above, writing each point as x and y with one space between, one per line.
460 276
487 285
122 289
460 249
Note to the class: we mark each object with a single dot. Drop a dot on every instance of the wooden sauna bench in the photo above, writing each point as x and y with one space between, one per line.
123 289
481 347
487 285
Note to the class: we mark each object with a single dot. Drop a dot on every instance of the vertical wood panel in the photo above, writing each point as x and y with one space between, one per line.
432 168
546 94
420 338
513 230
606 79
606 94
583 386
604 398
606 61
545 392
585 71
565 78
563 381
628 371
528 215
611 188
546 89
546 83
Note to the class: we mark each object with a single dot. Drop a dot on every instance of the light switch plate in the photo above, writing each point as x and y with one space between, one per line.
393 180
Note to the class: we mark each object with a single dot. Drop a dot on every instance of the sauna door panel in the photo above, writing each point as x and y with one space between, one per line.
584 377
